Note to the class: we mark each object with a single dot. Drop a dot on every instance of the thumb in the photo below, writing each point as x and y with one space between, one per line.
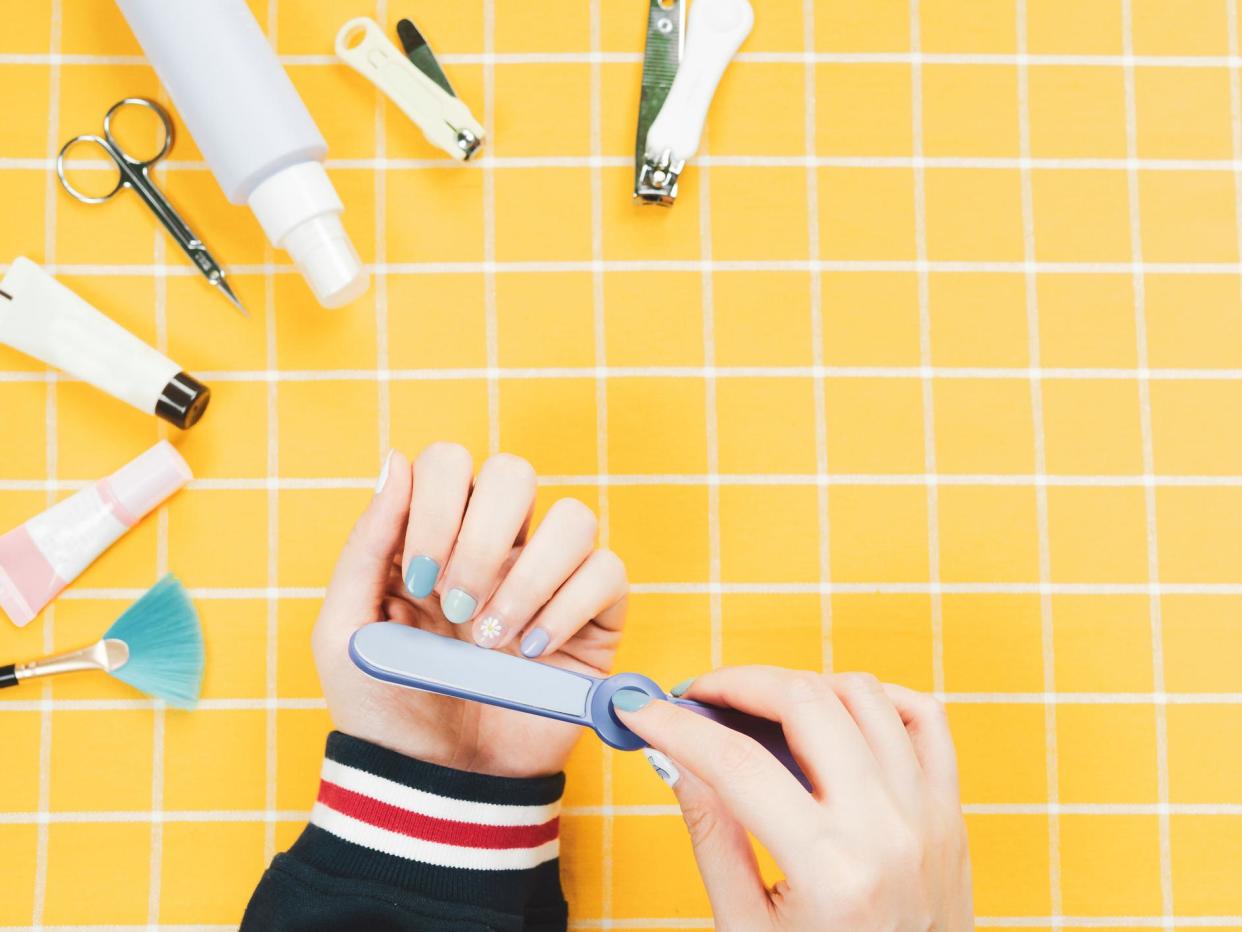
722 849
360 580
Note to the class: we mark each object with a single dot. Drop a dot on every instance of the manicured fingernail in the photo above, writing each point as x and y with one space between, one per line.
682 688
420 576
458 606
489 630
631 700
534 643
383 476
664 768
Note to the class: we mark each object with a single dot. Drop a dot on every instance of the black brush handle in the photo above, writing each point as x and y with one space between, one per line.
8 675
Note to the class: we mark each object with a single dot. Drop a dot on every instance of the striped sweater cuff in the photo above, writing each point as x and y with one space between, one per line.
466 837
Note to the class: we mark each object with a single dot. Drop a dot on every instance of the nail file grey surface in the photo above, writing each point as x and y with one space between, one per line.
412 657
666 28
420 55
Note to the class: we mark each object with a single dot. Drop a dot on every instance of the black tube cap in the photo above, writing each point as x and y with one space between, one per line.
183 401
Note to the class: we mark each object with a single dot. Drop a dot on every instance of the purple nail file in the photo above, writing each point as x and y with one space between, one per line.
418 659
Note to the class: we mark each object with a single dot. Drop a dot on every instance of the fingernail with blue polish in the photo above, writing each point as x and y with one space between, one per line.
458 606
535 642
664 768
420 576
631 700
682 688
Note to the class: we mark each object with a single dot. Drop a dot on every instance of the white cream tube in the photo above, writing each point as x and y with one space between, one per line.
40 558
44 319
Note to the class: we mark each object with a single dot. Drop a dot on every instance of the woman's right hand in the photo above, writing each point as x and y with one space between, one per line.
879 845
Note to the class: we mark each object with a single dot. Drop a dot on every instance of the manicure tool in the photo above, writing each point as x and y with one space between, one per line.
156 646
414 81
417 659
680 74
136 174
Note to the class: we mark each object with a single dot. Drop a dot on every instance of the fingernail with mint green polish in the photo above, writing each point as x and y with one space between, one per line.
421 575
631 700
458 606
535 643
682 688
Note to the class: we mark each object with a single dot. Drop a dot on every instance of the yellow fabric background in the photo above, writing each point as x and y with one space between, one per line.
933 370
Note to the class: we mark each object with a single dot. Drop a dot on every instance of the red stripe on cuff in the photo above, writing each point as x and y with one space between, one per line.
429 828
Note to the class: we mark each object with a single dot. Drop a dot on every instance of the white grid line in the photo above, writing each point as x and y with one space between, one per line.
925 359
1145 431
272 617
1047 645
1007 922
1022 373
166 816
491 57
384 401
380 162
711 412
950 698
1015 480
491 321
488 267
810 128
873 587
155 870
52 452
600 321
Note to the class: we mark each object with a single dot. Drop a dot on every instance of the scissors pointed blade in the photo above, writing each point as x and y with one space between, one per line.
223 284
420 55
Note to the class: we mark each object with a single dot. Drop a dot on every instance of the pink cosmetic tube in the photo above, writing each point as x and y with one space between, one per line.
40 558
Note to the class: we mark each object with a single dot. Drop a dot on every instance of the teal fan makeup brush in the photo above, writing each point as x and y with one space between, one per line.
156 646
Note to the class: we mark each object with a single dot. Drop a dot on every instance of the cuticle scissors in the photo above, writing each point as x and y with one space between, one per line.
136 174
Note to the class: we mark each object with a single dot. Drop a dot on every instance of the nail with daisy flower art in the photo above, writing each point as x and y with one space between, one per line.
488 631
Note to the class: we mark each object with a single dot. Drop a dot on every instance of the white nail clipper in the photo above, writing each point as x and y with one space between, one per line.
678 86
414 81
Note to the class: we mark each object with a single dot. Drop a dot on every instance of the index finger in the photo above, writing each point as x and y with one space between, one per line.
756 788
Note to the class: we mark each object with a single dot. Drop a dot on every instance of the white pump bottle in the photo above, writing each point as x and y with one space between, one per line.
253 130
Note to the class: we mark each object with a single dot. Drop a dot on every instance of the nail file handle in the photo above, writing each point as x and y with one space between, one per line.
715 31
765 731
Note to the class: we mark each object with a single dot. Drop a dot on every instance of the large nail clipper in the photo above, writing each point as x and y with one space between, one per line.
678 88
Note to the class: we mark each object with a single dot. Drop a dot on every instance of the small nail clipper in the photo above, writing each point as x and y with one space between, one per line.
678 88
417 659
414 81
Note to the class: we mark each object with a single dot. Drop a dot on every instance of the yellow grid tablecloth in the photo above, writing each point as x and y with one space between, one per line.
935 370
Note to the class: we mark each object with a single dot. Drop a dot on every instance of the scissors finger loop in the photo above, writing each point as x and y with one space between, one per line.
112 154
147 103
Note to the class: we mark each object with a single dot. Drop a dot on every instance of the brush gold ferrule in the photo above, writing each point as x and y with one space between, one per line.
106 655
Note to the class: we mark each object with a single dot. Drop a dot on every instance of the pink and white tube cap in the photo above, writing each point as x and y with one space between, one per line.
147 480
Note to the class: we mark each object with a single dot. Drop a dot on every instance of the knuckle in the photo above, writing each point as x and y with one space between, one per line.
862 684
738 757
807 688
444 452
612 566
702 822
577 514
512 467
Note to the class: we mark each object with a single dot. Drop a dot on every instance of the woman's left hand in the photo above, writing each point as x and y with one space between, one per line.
443 550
